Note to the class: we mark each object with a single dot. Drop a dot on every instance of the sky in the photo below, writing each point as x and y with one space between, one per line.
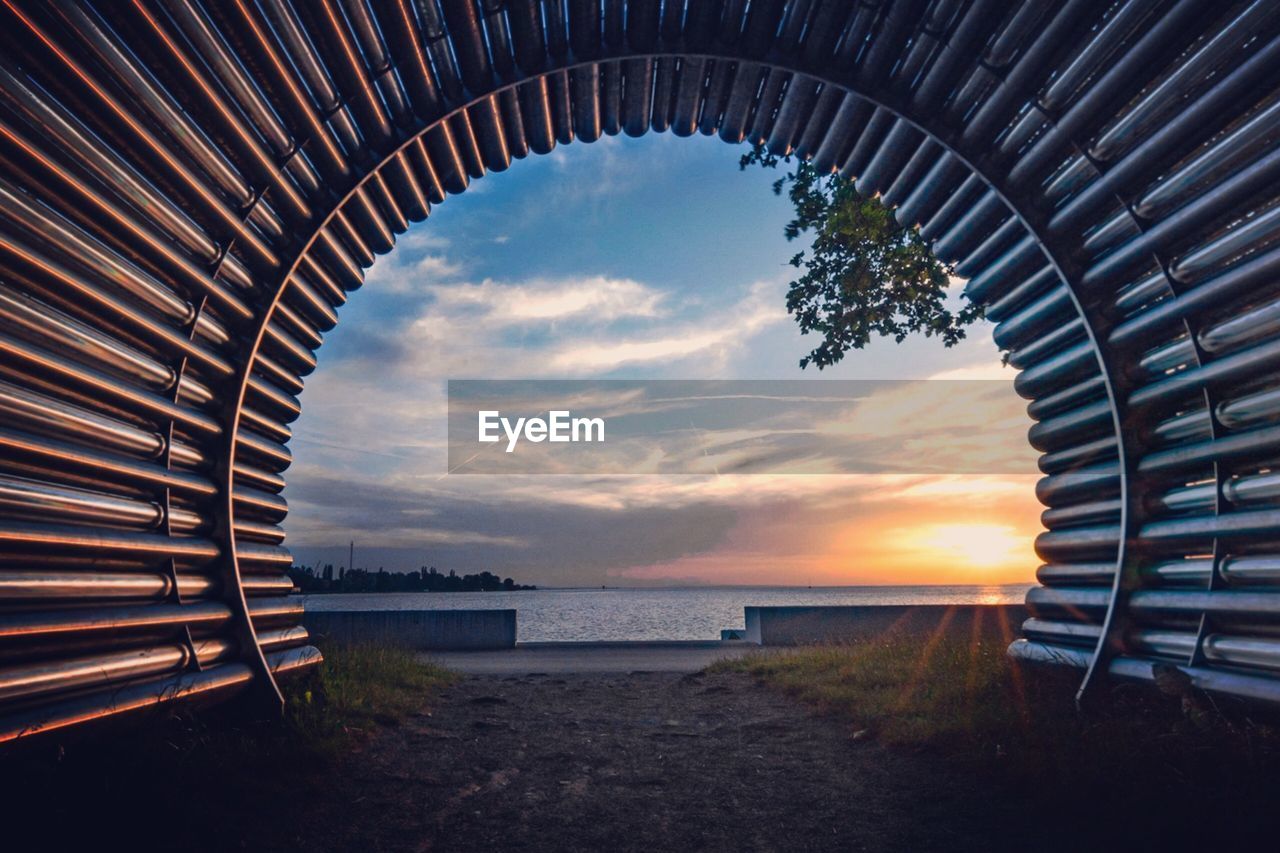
635 259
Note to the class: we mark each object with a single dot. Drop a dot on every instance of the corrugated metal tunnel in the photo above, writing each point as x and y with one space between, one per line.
190 190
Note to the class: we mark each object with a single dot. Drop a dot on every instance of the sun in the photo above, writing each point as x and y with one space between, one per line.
979 545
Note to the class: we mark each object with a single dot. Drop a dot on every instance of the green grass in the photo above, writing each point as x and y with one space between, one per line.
960 696
897 689
1142 770
328 712
357 689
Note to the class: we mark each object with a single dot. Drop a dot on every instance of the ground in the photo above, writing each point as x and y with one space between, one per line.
649 761
893 745
640 761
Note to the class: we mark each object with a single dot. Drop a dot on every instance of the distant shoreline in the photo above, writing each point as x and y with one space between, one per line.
411 591
693 587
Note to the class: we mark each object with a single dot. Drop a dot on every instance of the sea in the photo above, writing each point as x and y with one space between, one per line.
682 613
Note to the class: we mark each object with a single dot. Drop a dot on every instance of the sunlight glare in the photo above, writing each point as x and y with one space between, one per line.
979 545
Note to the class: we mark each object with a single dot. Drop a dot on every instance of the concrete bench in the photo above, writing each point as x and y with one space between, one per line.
794 626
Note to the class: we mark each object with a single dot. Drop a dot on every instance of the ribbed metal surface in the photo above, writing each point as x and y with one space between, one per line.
188 191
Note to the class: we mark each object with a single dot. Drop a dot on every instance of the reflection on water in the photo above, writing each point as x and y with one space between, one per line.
656 614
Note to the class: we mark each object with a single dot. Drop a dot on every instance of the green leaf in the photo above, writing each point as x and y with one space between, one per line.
864 274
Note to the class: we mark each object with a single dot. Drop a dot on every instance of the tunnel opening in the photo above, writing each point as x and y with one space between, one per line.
725 465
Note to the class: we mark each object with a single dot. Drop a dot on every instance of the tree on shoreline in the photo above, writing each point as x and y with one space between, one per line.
316 579
864 273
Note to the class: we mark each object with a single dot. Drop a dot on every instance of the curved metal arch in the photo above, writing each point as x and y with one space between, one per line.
279 101
1025 210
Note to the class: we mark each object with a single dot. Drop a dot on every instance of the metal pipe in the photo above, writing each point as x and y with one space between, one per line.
220 682
43 362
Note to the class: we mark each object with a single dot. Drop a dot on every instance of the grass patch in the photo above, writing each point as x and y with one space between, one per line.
899 690
357 689
328 712
1144 764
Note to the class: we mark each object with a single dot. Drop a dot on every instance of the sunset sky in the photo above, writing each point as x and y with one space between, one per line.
637 259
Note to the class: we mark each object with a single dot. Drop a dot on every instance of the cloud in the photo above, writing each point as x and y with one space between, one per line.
767 427
392 274
412 521
865 530
711 338
378 405
976 361
582 530
379 417
568 326
597 298
565 297
420 257
620 169
437 268
945 425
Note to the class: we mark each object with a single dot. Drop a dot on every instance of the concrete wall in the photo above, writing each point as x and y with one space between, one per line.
419 629
792 626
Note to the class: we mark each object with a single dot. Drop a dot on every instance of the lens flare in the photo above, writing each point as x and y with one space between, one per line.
979 545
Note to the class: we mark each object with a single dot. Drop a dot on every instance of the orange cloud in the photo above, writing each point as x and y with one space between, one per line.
974 530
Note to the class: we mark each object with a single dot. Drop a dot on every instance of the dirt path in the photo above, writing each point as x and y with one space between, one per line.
644 761
593 658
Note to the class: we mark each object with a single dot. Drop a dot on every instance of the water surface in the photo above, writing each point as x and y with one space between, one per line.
686 613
